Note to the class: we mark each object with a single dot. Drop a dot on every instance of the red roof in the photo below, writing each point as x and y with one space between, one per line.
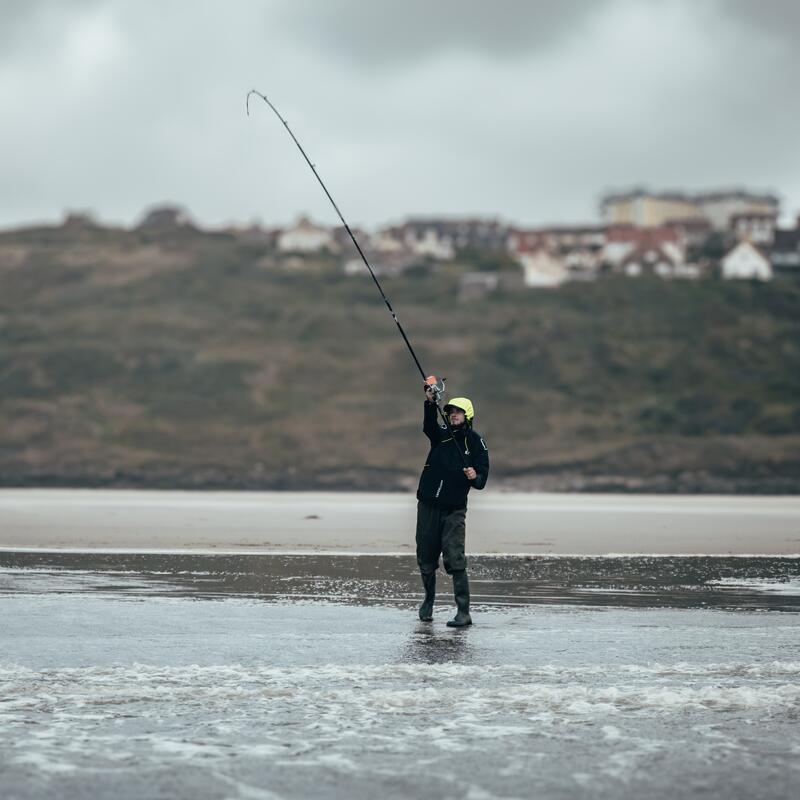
649 254
643 236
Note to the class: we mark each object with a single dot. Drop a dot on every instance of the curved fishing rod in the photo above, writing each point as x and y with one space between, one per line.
436 390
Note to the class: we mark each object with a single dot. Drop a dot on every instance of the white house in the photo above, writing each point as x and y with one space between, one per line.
543 269
386 242
719 208
746 262
426 239
305 237
758 228
664 260
615 252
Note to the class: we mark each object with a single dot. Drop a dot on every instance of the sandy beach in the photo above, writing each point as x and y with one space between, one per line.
503 523
268 645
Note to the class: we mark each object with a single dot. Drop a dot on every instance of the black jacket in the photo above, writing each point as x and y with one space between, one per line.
443 483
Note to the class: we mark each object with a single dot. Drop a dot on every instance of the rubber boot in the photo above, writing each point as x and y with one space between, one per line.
426 609
461 592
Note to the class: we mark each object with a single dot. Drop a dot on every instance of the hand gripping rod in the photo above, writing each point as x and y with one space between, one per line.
360 252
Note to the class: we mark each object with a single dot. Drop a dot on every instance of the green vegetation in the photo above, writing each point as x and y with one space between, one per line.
198 361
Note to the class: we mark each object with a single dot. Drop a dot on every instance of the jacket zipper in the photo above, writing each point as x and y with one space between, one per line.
439 490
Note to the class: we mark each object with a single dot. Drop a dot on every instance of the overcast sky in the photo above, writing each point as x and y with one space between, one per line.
527 111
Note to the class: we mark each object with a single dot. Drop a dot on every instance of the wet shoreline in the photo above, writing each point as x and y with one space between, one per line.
129 674
732 583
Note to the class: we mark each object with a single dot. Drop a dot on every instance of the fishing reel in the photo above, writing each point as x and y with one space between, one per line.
436 386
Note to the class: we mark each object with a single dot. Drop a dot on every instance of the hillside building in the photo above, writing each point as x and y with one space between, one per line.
254 235
543 269
80 220
627 247
759 228
383 263
647 209
664 260
443 238
578 247
719 208
746 262
166 218
306 237
560 237
785 250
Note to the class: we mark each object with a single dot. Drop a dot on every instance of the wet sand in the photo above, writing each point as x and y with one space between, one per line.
761 583
130 675
502 523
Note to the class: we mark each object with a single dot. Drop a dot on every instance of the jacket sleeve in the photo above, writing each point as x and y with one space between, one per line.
480 461
430 424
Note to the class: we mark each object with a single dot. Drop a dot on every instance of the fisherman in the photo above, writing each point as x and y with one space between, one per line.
442 500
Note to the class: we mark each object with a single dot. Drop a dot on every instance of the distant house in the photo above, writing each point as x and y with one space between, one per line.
583 263
343 241
387 242
658 259
545 250
424 238
693 231
443 238
631 249
580 247
648 209
254 235
305 237
720 207
79 220
166 218
746 262
382 263
759 228
560 237
785 250
542 268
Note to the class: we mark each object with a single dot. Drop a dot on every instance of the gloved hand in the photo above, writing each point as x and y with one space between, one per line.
433 389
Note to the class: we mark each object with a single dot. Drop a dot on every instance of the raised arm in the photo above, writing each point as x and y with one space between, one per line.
430 423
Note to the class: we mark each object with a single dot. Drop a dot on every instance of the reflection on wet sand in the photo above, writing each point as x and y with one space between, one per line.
430 644
763 582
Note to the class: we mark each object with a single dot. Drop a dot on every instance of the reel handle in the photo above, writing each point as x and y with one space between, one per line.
436 386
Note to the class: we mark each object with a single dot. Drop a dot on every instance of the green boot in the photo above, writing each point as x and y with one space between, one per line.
461 592
426 609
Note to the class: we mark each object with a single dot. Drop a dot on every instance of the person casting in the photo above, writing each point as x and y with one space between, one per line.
442 500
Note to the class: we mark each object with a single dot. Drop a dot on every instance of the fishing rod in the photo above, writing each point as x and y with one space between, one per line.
435 386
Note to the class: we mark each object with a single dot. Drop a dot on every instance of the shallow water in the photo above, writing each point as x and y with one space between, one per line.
134 675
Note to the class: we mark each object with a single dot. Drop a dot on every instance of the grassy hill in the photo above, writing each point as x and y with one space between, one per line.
191 360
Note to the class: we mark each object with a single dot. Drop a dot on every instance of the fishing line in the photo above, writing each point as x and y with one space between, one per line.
436 388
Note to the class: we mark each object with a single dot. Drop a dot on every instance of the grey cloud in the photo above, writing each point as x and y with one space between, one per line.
611 93
21 21
779 18
398 32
